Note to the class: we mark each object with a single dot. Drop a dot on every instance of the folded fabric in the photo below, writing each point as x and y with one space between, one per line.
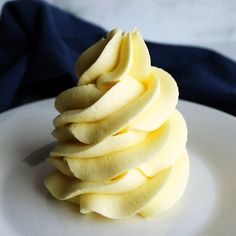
40 43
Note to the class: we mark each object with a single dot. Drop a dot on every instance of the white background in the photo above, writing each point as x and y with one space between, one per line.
208 23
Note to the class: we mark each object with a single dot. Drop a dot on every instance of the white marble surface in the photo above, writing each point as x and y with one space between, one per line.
208 23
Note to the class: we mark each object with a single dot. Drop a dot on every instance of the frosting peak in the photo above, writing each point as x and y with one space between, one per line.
119 56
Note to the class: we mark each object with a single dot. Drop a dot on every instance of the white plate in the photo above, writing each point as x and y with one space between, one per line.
208 206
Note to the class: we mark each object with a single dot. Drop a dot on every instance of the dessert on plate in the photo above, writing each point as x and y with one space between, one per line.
121 141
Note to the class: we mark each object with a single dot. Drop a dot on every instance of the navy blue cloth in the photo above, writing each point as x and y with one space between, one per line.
40 43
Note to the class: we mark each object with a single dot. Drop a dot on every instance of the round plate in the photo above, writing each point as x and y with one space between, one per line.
208 206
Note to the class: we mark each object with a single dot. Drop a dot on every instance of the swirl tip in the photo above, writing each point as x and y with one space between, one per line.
118 30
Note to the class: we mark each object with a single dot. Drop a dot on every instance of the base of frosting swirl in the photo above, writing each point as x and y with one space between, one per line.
146 196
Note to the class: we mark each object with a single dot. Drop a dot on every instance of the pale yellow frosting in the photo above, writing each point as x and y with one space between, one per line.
121 148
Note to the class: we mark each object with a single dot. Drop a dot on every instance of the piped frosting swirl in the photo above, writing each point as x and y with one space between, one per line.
121 141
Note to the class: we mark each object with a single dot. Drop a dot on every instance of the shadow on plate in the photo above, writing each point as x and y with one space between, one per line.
39 155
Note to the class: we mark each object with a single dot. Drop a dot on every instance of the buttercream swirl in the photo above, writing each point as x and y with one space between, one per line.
121 141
